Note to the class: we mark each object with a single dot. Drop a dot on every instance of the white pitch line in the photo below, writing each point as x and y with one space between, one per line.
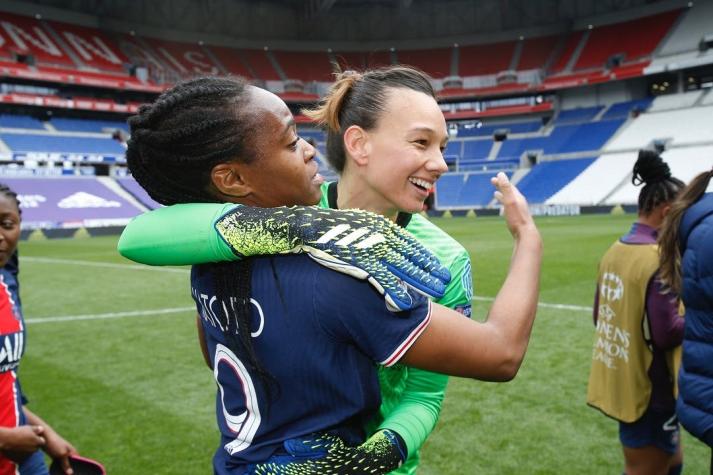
163 311
52 260
558 306
106 316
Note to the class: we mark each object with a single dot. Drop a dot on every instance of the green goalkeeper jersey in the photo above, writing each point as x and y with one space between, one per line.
412 398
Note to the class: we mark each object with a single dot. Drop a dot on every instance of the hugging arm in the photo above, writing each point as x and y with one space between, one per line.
354 242
495 349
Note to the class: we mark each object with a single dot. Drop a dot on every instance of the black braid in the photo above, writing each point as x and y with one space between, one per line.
659 185
175 143
232 282
7 191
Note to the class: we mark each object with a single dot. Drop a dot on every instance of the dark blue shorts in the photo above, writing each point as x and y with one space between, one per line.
660 429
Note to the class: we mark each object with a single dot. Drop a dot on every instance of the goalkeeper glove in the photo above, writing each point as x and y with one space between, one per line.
328 455
359 243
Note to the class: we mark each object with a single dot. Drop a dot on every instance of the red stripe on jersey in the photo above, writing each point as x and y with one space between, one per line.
9 415
403 347
9 323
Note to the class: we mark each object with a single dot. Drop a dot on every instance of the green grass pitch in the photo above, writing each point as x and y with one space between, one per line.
112 361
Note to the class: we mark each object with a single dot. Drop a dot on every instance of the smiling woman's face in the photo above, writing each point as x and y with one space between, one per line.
9 228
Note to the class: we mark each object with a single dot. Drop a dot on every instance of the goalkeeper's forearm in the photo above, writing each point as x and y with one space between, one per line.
181 234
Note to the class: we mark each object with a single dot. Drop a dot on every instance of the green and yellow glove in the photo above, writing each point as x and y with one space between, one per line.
358 243
329 455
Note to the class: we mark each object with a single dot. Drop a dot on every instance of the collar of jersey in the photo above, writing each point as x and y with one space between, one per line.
402 219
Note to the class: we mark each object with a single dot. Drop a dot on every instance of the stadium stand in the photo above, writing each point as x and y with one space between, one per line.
464 190
305 66
70 202
351 60
20 122
570 138
564 57
597 181
487 129
132 187
92 47
622 110
679 126
187 60
581 114
26 35
685 163
564 141
260 64
374 59
88 125
476 149
436 62
546 178
536 52
492 58
686 36
634 39
20 143
675 101
230 60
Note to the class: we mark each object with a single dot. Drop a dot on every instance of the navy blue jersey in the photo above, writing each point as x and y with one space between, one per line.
319 334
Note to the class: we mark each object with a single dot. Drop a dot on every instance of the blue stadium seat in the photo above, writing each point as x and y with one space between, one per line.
547 178
621 110
476 149
488 129
87 125
453 191
448 189
581 114
20 122
60 144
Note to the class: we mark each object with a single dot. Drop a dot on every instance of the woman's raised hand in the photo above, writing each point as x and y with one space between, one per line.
515 208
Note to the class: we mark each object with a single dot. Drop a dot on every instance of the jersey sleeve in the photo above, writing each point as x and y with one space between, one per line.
177 235
459 292
416 415
419 407
350 310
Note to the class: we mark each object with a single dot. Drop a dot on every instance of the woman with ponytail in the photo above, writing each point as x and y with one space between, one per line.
686 249
637 331
292 345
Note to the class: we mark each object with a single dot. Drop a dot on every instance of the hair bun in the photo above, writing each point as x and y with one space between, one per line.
650 168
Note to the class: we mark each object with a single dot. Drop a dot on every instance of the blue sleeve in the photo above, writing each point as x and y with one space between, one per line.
352 311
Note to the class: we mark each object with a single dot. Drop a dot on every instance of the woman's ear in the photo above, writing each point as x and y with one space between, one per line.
229 181
357 145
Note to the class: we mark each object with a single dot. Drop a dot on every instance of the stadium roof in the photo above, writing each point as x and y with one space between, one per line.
349 20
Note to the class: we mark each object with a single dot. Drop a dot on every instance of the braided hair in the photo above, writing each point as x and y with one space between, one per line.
659 186
175 143
7 191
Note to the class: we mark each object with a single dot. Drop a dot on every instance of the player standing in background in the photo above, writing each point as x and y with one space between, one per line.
169 160
22 433
637 331
686 247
